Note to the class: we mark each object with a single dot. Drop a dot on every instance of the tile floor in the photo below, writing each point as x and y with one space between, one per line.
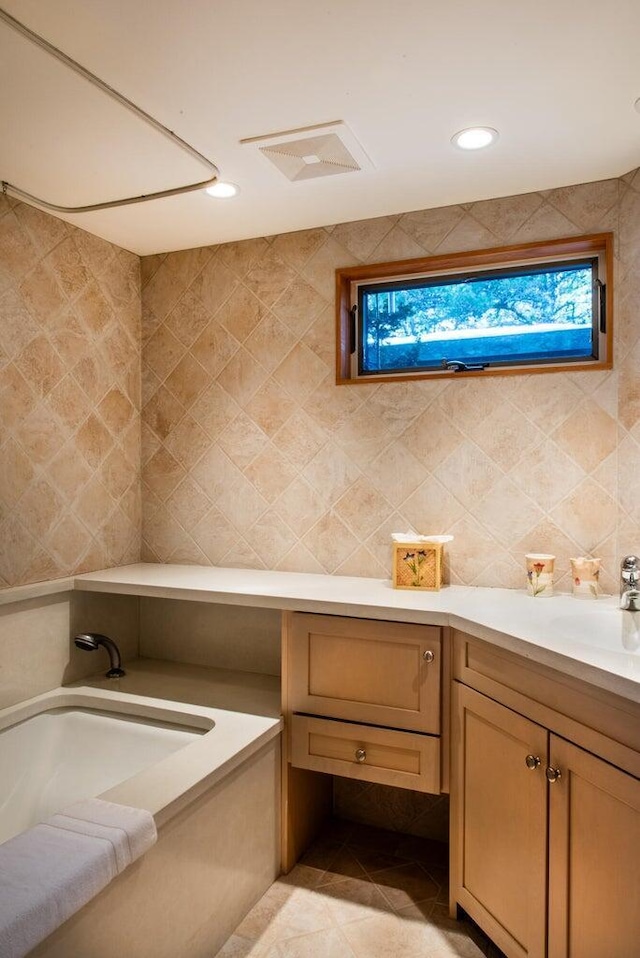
360 892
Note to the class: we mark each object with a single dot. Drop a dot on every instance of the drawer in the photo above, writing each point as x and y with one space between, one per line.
382 673
403 759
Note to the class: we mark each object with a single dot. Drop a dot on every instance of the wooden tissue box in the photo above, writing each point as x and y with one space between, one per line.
417 565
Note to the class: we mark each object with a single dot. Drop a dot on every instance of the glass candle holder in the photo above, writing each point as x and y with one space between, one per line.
585 575
540 574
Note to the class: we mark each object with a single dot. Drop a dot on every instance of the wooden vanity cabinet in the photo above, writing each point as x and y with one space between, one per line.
594 857
545 834
362 699
366 752
499 844
381 673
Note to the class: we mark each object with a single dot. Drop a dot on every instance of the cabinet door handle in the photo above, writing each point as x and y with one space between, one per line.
532 762
361 755
553 774
428 656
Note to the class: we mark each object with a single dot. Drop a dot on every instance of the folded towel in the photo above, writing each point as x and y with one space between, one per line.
132 831
50 871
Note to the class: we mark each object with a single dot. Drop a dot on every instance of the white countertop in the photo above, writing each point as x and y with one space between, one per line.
591 640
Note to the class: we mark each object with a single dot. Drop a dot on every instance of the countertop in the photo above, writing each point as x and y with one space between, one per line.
590 639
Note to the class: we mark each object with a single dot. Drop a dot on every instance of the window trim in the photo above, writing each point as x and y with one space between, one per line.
349 279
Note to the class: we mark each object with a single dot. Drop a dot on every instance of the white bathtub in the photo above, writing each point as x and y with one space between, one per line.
209 776
62 755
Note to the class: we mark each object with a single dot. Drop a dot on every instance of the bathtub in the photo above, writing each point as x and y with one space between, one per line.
63 754
210 777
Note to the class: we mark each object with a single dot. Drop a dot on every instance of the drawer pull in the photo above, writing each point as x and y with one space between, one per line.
428 656
361 755
532 762
553 774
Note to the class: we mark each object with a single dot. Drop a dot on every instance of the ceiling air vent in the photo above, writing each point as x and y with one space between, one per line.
313 151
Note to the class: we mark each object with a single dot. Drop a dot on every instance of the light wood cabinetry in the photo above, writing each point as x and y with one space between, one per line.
545 834
382 673
499 844
362 699
365 752
594 857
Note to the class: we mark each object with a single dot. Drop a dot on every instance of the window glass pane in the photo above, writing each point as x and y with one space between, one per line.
515 316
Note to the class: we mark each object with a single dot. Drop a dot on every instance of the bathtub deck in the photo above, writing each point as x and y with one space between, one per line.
237 691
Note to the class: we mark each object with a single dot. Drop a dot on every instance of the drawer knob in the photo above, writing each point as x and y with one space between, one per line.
532 762
361 755
428 656
553 774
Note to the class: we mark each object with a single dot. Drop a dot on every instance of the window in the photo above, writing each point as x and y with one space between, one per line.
532 308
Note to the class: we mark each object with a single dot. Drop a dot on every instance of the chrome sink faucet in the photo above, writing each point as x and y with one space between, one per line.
630 584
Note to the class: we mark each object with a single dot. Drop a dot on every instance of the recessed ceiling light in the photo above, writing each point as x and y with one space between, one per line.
223 191
475 138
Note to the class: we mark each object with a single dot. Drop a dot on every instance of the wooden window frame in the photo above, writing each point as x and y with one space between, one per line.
348 280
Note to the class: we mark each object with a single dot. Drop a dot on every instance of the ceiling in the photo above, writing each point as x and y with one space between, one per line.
558 81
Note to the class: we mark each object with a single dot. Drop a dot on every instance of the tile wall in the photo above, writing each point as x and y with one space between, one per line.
69 399
628 367
396 809
252 457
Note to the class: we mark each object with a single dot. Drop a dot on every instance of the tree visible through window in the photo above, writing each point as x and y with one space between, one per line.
515 315
538 305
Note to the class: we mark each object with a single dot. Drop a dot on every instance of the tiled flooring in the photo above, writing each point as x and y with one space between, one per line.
360 892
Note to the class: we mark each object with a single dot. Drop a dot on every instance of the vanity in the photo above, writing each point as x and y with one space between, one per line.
545 807
527 712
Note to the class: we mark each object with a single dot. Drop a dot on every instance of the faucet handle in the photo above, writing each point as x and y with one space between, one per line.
629 584
630 569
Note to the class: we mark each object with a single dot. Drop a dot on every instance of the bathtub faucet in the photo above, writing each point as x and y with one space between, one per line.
89 641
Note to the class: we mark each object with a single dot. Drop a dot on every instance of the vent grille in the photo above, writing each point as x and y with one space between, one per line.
312 152
307 159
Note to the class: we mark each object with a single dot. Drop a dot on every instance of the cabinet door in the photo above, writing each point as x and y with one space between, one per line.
382 673
594 857
499 822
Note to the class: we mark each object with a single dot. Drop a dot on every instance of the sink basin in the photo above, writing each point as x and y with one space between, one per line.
605 627
604 635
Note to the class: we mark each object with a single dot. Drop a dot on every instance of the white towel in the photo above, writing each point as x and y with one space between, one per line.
131 831
50 871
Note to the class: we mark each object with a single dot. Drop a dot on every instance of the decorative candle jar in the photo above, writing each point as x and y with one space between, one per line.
585 576
540 574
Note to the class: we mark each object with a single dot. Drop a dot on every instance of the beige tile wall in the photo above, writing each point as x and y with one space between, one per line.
69 399
628 365
252 457
396 809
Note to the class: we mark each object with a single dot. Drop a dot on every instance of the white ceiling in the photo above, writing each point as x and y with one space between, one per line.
557 79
